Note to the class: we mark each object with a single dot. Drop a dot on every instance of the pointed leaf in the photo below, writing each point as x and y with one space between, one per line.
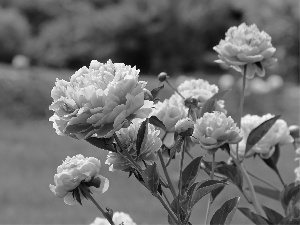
76 195
256 219
289 193
176 148
220 94
272 161
203 188
272 215
151 178
190 173
224 215
293 217
229 171
156 91
257 133
270 193
156 122
216 192
141 136
102 143
208 106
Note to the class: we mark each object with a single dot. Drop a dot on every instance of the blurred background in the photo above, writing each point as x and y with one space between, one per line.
41 40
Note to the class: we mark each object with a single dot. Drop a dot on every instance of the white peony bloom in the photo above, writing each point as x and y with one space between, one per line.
73 172
184 126
215 129
278 134
128 138
98 100
246 45
119 218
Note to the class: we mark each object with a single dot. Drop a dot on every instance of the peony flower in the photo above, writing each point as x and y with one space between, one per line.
73 172
118 218
278 134
198 89
215 129
128 138
246 45
98 100
184 127
169 113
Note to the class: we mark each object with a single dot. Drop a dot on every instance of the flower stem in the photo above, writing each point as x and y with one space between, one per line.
210 198
181 167
126 154
171 213
166 173
89 196
174 89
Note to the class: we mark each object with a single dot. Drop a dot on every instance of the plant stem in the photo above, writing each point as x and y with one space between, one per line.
87 193
166 173
211 177
170 211
126 154
174 89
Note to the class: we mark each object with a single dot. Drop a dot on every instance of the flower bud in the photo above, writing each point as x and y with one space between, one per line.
147 95
191 103
294 131
162 76
184 127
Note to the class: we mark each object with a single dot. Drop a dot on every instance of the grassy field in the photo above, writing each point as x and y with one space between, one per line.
31 151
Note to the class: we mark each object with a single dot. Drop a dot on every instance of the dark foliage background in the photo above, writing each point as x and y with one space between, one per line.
155 35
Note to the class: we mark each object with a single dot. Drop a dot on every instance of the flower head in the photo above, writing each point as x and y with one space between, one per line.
118 218
98 100
128 139
200 90
278 134
246 45
184 127
73 172
215 129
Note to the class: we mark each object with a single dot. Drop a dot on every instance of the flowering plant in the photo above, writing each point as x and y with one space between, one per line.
107 106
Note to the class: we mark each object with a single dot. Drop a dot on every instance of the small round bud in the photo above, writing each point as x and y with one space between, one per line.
294 131
184 127
147 95
191 103
162 76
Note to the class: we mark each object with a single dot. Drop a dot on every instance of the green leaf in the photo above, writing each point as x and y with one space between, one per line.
156 122
190 173
272 161
208 106
141 137
102 143
216 192
272 215
288 196
270 193
151 178
176 148
224 215
156 91
203 188
256 219
293 216
229 171
220 94
76 195
257 133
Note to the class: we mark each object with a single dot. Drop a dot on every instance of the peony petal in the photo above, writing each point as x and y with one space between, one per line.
250 59
69 200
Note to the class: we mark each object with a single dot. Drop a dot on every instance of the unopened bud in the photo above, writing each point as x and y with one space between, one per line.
147 95
162 76
191 103
184 127
294 131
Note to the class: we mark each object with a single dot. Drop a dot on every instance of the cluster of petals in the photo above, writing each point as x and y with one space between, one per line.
128 139
215 129
98 100
278 134
119 218
246 45
200 90
74 171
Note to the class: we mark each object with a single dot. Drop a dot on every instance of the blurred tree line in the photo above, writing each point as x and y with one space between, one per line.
155 35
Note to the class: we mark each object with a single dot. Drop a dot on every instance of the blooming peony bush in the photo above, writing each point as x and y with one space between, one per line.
107 106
